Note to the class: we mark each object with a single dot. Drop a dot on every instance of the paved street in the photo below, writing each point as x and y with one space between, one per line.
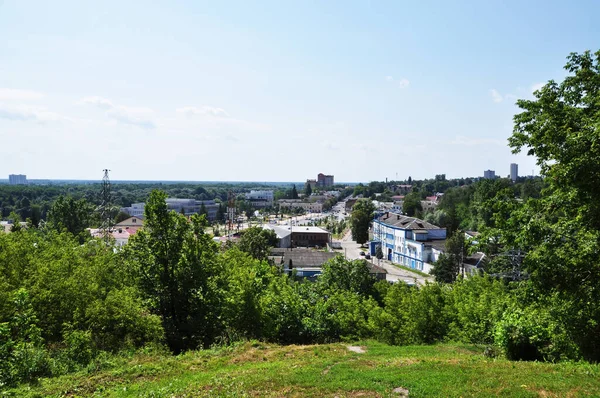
352 251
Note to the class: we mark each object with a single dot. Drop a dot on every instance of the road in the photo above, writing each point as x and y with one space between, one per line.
394 274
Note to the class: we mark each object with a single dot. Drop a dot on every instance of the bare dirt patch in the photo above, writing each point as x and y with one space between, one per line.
401 391
357 349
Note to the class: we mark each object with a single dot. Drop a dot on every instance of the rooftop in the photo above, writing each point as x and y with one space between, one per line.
405 222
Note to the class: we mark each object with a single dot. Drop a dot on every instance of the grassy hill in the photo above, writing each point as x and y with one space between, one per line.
256 369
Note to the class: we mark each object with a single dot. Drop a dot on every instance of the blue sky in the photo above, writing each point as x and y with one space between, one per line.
277 90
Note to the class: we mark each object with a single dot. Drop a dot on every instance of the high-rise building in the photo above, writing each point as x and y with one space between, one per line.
17 179
489 174
324 180
514 172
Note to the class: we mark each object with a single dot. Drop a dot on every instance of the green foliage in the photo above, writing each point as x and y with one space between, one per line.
412 204
562 238
283 310
352 276
73 216
476 305
532 333
175 265
258 242
360 220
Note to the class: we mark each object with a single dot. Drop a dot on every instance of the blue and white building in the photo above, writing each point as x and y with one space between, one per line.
408 241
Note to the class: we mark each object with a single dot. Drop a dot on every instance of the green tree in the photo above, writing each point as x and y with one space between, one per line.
450 264
257 242
412 204
360 220
341 274
307 190
16 221
71 215
175 265
36 216
121 216
561 230
294 193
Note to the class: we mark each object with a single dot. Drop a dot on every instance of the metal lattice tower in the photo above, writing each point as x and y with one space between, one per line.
106 221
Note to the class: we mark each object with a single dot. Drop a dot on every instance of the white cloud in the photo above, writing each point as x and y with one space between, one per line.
30 113
132 116
98 101
10 94
536 86
402 83
496 96
203 110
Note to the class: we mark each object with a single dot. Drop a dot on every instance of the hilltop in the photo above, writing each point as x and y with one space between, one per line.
255 369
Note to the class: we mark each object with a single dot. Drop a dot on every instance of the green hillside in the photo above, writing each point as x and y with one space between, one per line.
255 370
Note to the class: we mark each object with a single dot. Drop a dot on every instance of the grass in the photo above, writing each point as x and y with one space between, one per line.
256 369
415 271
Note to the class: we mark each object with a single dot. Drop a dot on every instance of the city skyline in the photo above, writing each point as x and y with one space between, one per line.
240 92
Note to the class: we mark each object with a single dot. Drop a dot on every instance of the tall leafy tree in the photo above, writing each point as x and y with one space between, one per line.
360 220
561 230
175 264
71 215
412 204
307 189
258 242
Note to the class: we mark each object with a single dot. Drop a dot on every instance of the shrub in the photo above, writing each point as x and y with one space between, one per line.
532 334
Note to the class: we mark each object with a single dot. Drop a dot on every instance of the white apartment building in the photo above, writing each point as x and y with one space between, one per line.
260 199
408 241
184 206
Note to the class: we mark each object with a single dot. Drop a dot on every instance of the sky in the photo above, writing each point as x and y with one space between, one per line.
275 90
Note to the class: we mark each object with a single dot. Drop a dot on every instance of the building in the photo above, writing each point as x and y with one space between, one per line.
284 235
303 236
408 241
260 199
489 174
17 179
514 172
324 180
183 206
311 207
308 264
312 183
300 236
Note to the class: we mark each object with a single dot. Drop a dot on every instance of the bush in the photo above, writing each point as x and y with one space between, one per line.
532 334
475 305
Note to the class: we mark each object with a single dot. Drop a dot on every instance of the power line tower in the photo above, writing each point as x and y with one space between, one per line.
106 221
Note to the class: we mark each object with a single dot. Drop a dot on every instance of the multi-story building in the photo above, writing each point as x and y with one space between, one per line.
184 206
489 174
311 207
17 179
312 183
408 241
514 172
260 199
324 180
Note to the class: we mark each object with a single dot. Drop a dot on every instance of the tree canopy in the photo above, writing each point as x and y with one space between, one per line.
360 220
